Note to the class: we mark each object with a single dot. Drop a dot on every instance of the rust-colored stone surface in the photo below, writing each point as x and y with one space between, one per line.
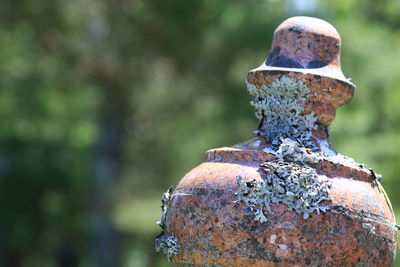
307 45
213 228
215 231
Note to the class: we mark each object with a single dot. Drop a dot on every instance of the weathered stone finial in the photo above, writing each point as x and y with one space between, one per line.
299 87
284 198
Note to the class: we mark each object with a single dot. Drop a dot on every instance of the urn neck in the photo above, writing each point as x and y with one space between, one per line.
296 105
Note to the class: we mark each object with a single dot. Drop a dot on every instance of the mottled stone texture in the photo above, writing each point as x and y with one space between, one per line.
213 230
213 226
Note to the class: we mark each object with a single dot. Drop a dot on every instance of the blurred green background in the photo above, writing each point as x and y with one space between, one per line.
106 103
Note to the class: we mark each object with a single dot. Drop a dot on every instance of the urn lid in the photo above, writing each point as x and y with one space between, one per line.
306 45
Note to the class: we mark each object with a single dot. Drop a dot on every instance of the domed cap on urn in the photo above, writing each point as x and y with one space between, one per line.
308 45
305 50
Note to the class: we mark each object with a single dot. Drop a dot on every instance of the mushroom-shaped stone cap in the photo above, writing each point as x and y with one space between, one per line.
306 45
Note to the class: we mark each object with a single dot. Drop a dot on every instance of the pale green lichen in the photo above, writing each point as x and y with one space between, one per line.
287 128
288 180
279 107
294 151
369 227
167 243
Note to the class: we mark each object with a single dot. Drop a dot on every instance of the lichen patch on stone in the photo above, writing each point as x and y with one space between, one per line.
281 112
294 151
164 207
288 180
168 244
369 227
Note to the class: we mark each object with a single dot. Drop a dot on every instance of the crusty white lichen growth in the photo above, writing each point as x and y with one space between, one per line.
280 106
369 227
294 151
288 180
290 150
256 196
164 207
168 244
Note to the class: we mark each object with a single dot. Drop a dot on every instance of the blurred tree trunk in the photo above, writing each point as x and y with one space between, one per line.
107 165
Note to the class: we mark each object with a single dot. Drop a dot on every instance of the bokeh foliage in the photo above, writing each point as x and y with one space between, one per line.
105 104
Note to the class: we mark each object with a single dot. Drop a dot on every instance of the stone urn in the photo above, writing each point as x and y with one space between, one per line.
285 197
